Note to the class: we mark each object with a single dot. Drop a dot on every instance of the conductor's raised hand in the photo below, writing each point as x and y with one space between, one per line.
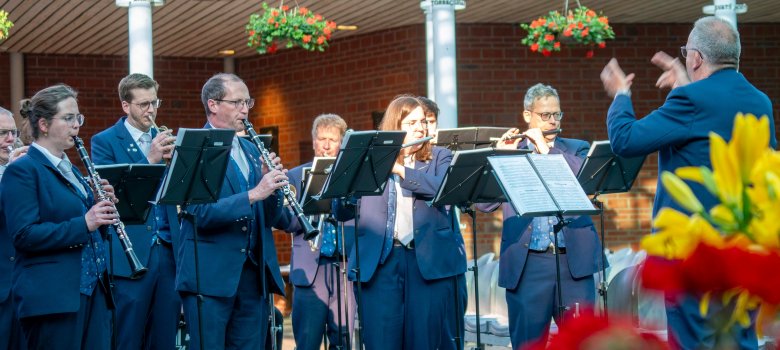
614 79
102 213
674 74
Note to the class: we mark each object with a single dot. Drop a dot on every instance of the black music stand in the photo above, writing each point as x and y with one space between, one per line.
604 172
531 196
313 180
134 185
363 165
469 180
461 139
198 167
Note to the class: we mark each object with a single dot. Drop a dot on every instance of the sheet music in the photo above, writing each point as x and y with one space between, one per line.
522 185
561 182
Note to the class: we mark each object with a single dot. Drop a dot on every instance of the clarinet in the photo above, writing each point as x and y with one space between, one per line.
136 267
309 230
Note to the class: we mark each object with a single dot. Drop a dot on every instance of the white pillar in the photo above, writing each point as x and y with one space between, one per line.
445 63
726 10
17 84
139 20
426 6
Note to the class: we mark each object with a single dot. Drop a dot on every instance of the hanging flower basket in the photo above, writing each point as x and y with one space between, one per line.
287 27
582 26
5 25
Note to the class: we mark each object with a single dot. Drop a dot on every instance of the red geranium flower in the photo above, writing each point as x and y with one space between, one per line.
303 11
306 38
602 44
320 39
589 54
549 37
534 47
546 52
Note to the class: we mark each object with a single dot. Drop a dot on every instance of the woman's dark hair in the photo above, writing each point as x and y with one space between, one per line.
43 105
396 111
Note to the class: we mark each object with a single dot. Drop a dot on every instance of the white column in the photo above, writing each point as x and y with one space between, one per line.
445 63
139 19
726 9
430 68
17 84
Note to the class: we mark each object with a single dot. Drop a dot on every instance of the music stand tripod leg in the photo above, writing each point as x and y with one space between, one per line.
557 228
468 210
359 293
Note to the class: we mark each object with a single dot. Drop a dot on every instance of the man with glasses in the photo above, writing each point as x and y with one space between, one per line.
706 95
9 140
238 268
147 309
527 267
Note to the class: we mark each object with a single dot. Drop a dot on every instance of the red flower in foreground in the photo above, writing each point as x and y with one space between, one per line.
711 269
594 332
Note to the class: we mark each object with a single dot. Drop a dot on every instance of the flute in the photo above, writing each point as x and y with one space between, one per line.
309 230
523 135
417 142
136 267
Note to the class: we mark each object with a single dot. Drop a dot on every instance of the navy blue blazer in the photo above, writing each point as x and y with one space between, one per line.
222 236
7 256
679 130
304 262
115 145
438 244
582 242
45 217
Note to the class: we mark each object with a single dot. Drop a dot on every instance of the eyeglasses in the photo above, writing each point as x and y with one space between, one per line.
72 119
547 115
4 133
240 103
413 124
145 105
684 51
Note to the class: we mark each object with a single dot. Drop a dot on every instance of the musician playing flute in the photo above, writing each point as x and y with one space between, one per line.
408 250
148 308
527 267
238 264
60 283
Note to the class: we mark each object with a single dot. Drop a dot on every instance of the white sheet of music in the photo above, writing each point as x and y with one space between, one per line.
539 185
561 182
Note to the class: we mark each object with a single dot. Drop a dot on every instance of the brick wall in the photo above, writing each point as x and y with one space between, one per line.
359 75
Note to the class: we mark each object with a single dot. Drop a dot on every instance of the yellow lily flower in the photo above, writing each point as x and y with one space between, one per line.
725 172
678 235
681 193
749 139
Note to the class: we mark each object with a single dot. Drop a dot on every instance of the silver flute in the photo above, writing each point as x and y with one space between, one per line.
136 267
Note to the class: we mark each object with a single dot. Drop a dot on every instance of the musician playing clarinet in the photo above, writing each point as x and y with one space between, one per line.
408 250
527 267
322 303
238 266
148 308
60 284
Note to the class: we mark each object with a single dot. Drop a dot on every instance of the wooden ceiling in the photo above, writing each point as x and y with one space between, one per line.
201 28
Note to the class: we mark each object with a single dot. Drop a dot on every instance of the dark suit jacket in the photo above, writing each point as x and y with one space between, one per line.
304 260
679 130
115 145
222 236
47 225
582 242
7 257
439 246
